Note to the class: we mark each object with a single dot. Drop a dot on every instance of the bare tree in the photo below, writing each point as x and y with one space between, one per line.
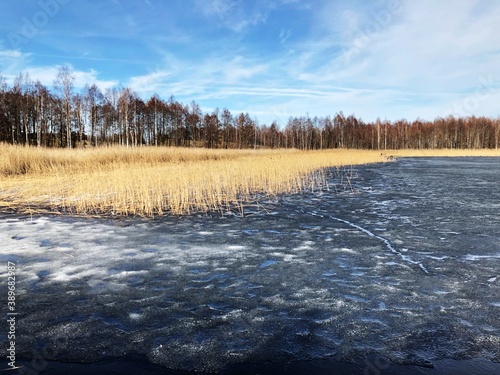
194 122
497 132
111 115
226 122
23 88
42 102
79 111
124 101
64 87
93 98
153 106
4 134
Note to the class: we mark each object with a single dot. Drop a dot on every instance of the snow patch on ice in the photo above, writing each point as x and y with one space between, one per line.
306 245
135 316
382 306
236 247
345 250
125 274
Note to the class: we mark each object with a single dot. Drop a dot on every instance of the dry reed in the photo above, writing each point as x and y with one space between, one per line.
150 181
153 181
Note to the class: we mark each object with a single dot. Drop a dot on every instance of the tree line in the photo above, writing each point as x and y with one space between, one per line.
32 114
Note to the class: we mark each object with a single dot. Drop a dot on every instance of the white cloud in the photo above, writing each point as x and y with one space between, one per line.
14 62
48 74
238 69
10 54
424 60
149 83
91 77
420 62
285 35
234 14
219 8
191 81
421 59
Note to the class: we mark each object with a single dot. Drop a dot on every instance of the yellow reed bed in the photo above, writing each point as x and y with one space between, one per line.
153 181
150 181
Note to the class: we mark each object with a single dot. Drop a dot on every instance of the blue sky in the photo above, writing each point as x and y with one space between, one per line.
391 59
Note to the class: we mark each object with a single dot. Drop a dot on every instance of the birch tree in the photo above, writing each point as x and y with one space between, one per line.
64 87
4 134
93 98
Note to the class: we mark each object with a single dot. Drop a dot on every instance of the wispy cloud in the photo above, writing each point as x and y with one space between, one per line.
237 70
437 50
184 79
10 54
47 76
282 57
284 35
236 15
149 83
12 62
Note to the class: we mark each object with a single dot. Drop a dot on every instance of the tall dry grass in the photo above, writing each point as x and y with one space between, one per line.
18 160
152 181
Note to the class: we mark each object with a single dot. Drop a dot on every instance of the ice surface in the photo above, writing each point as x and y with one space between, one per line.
406 268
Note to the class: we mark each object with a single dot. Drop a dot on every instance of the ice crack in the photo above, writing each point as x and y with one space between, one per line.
387 243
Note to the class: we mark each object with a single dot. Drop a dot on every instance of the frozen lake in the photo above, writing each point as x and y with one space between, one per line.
402 270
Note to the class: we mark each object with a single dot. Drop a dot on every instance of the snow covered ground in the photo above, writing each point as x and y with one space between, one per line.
406 267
